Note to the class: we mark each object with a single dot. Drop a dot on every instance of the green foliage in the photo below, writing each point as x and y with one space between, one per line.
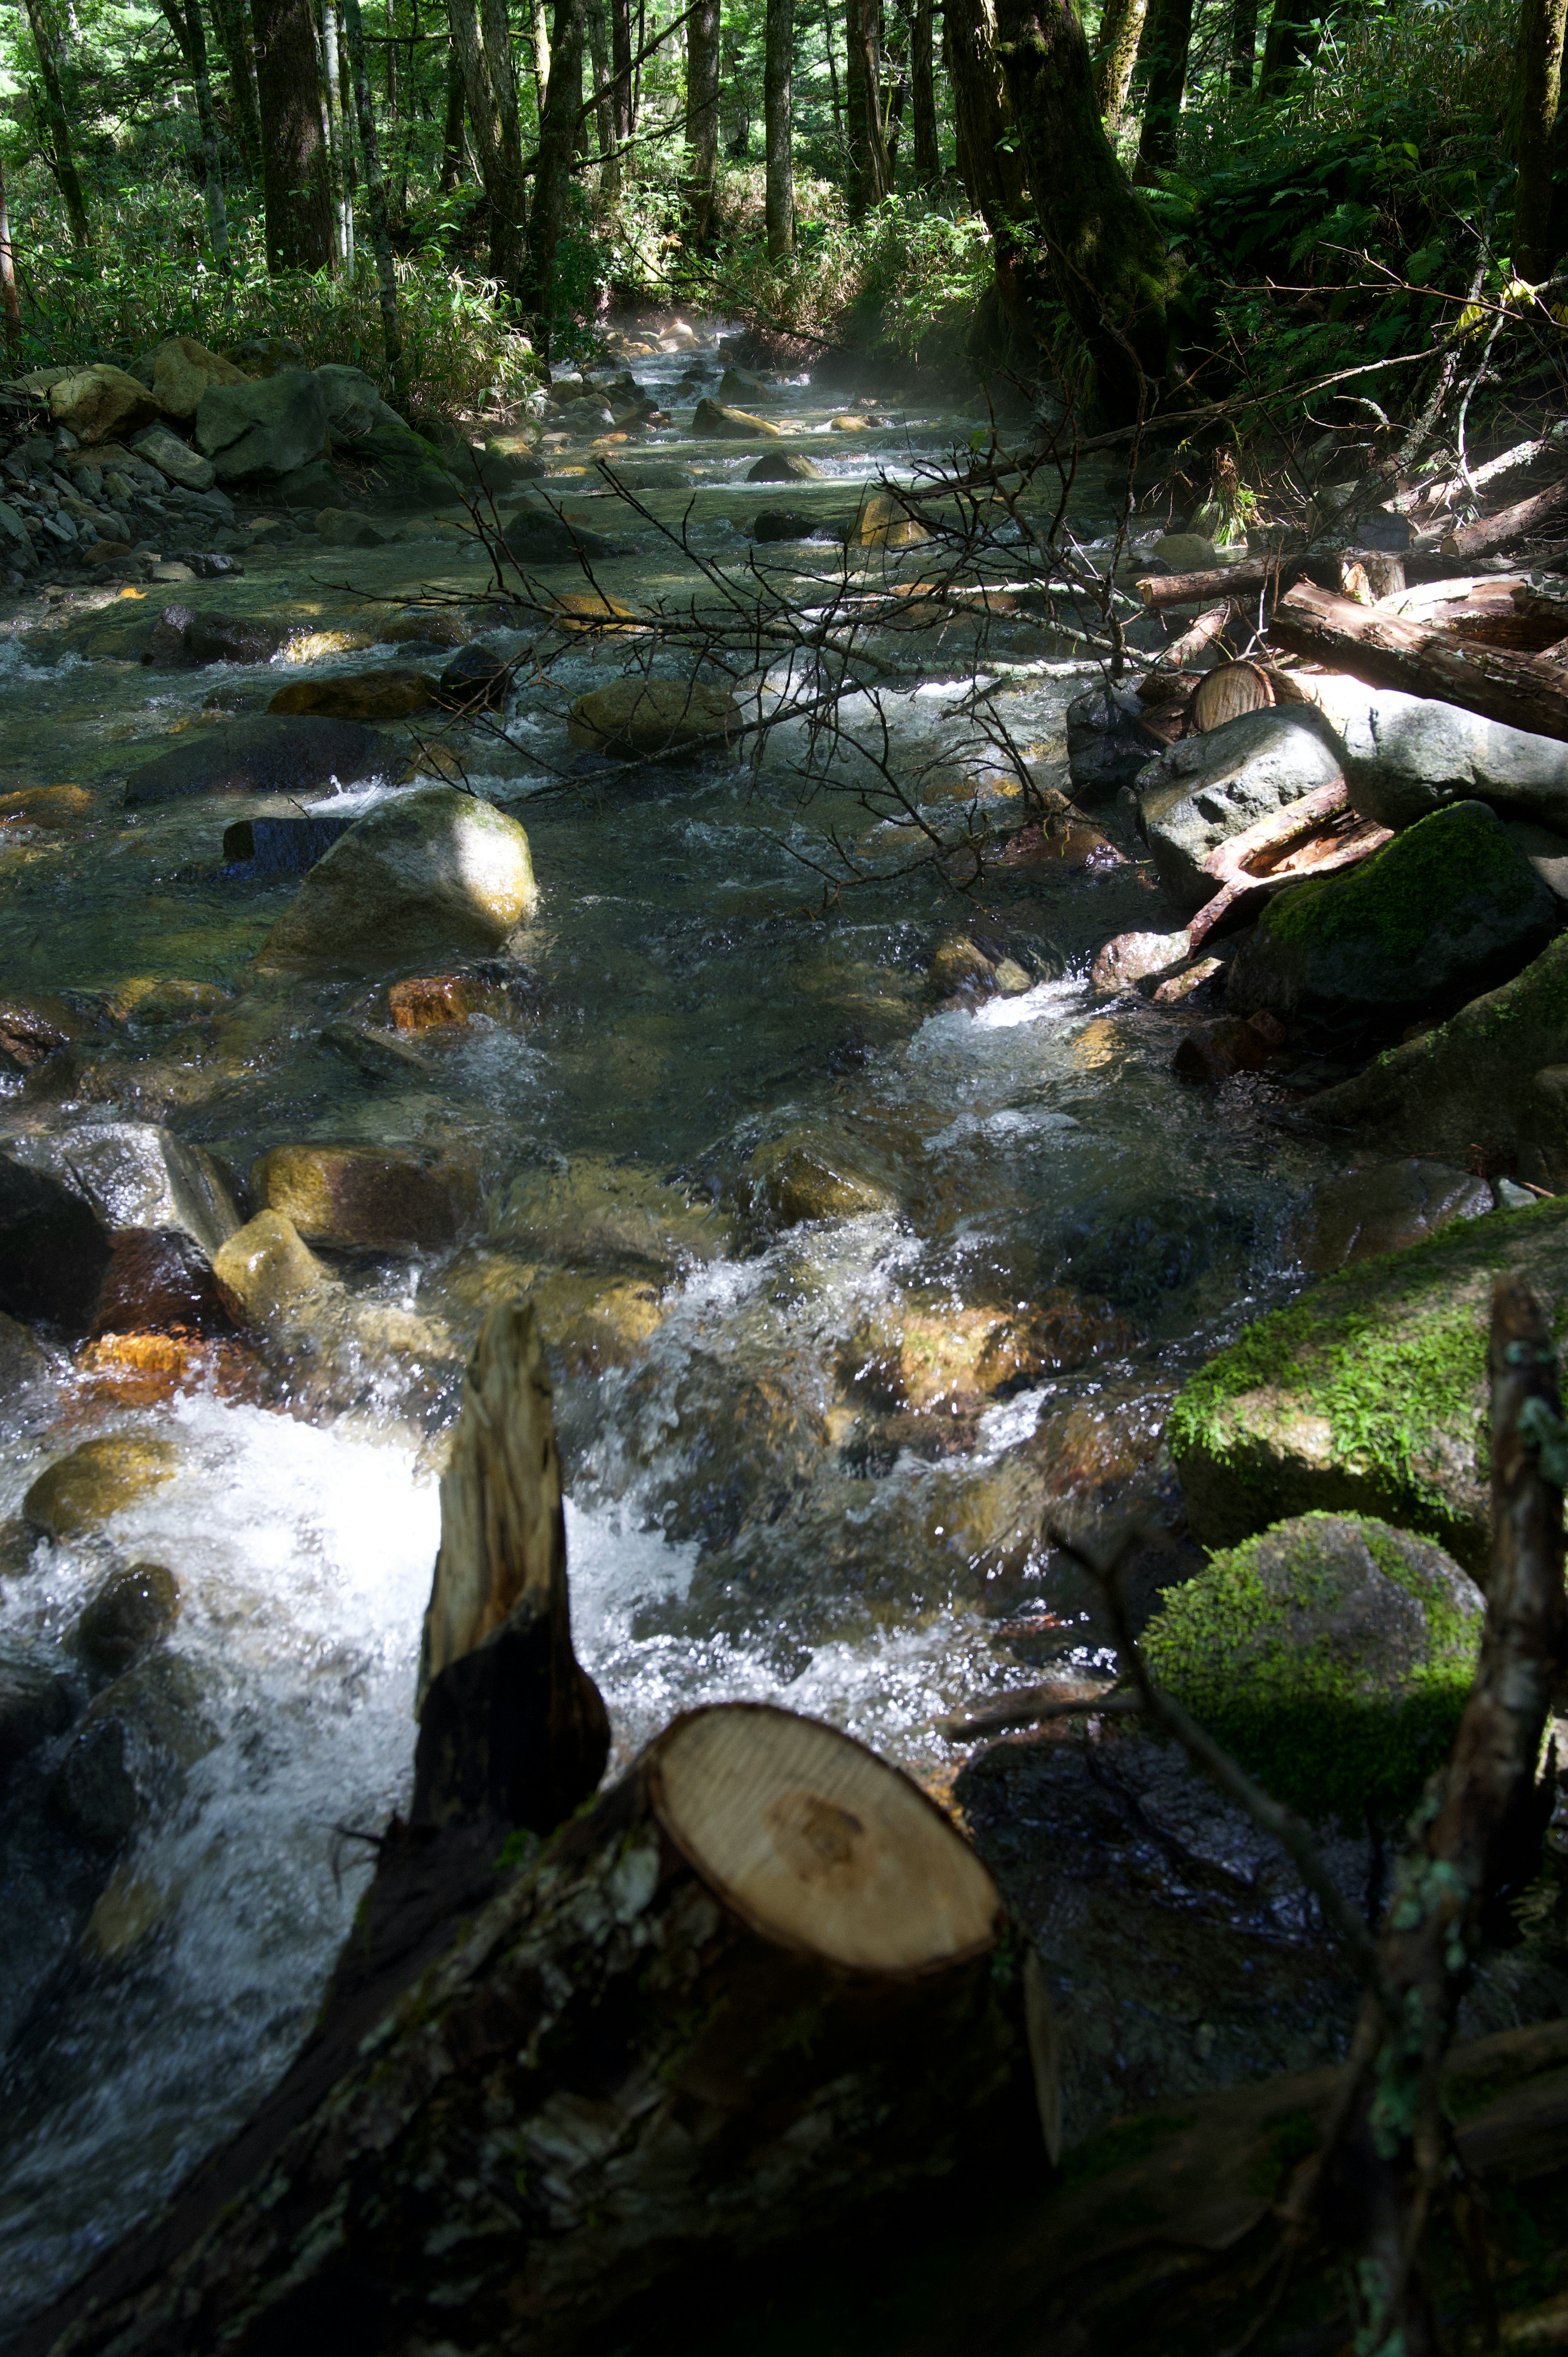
904 281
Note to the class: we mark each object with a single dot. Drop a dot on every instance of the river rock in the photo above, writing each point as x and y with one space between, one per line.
805 1175
739 384
182 369
656 717
1406 755
433 869
591 1212
175 459
36 1703
268 754
256 432
279 846
718 422
538 536
1331 1656
476 679
785 523
786 467
125 1618
53 1252
361 695
441 1001
99 1478
354 404
1201 790
100 403
181 636
23 1361
131 1755
353 1199
884 522
1384 1209
1369 1394
136 1174
266 1270
1109 744
316 487
1449 907
158 1280
656 475
340 528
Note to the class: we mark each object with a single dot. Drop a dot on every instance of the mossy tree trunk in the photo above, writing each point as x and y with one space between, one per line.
496 142
557 140
1170 41
1107 255
702 122
61 157
1536 92
1290 43
1243 45
1121 30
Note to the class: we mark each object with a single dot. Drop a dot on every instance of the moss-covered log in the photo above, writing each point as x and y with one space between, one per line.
761 1981
1108 260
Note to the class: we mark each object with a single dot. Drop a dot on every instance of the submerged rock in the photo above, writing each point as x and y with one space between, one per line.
1446 910
99 1478
593 1211
132 1751
657 718
537 536
362 696
126 1616
805 1175
1369 1394
181 636
1331 1656
1203 790
23 1361
270 754
434 870
36 1703
353 1199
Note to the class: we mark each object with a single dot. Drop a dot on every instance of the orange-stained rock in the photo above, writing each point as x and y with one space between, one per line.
147 1370
427 1002
921 1357
363 695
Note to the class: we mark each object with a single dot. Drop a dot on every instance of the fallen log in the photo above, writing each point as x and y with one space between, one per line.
1524 691
1520 521
1161 590
761 1981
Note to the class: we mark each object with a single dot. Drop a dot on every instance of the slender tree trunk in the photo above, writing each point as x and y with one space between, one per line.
217 215
63 160
839 141
557 135
1243 45
295 189
540 19
1120 30
501 164
923 99
12 308
1108 255
1170 40
604 125
375 187
869 179
621 97
896 68
233 22
702 122
452 128
1290 43
339 67
337 136
1539 76
779 127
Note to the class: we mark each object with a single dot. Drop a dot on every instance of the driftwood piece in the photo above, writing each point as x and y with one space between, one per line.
1527 691
762 1982
511 1727
1199 636
1523 521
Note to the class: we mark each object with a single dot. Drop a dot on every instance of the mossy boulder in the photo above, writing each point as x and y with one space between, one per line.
1451 908
1331 1656
1367 1395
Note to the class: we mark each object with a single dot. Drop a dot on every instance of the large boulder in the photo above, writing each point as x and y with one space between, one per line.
662 719
1330 1656
786 467
354 406
1369 1394
266 753
1203 790
434 870
1406 755
182 369
1449 907
1383 1208
718 421
133 1174
109 1226
351 1198
100 403
369 430
259 432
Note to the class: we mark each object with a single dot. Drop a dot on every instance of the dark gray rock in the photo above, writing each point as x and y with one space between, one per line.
271 753
1108 743
537 536
53 1251
1406 755
133 1175
181 636
780 467
279 846
314 488
124 1619
260 431
1201 790
784 523
354 404
23 1361
1384 1209
36 1703
657 475
476 679
132 1752
1450 909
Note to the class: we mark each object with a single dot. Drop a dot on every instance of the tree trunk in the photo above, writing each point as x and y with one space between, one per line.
62 159
779 127
701 122
191 31
233 22
375 189
1108 255
12 308
452 140
539 19
1539 76
1522 520
840 142
923 99
869 177
342 76
500 159
557 135
1170 42
1243 45
1290 43
339 138
600 54
1525 691
621 60
295 191
1121 30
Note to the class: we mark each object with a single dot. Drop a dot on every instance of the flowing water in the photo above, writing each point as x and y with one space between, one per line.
760 1506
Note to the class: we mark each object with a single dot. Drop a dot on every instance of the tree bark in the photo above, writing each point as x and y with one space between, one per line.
779 127
452 138
701 122
923 98
233 22
497 156
8 301
1536 87
1522 520
1289 45
191 32
62 159
1170 43
1524 691
621 60
1107 256
1243 45
599 55
557 136
760 1985
868 179
339 137
539 20
1121 30
296 199
375 188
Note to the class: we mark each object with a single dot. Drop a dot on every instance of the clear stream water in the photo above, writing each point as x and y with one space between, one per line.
749 1516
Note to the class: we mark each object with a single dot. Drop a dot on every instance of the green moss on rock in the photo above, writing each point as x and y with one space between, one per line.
1331 1656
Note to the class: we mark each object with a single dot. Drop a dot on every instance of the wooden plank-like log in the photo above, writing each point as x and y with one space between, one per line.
1523 521
1524 691
1160 590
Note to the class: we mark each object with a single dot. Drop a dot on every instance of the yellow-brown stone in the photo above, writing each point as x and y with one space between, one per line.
99 1478
656 717
362 696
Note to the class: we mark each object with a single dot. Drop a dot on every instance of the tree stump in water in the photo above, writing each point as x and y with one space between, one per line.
763 1981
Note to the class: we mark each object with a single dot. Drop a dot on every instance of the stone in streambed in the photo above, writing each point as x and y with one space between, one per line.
433 869
363 695
785 523
351 1198
266 1270
1384 1209
1369 1394
803 1177
476 679
1448 908
181 636
442 1001
280 846
53 1252
99 1478
786 467
182 369
658 474
23 1361
1217 1052
46 806
1406 755
341 529
261 431
1109 744
124 1619
269 754
656 717
595 1213
884 522
35 1703
100 403
175 459
717 421
538 536
132 1752
135 1173
1203 790
1331 1657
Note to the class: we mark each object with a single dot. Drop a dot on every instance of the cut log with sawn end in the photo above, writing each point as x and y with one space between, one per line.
763 1981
